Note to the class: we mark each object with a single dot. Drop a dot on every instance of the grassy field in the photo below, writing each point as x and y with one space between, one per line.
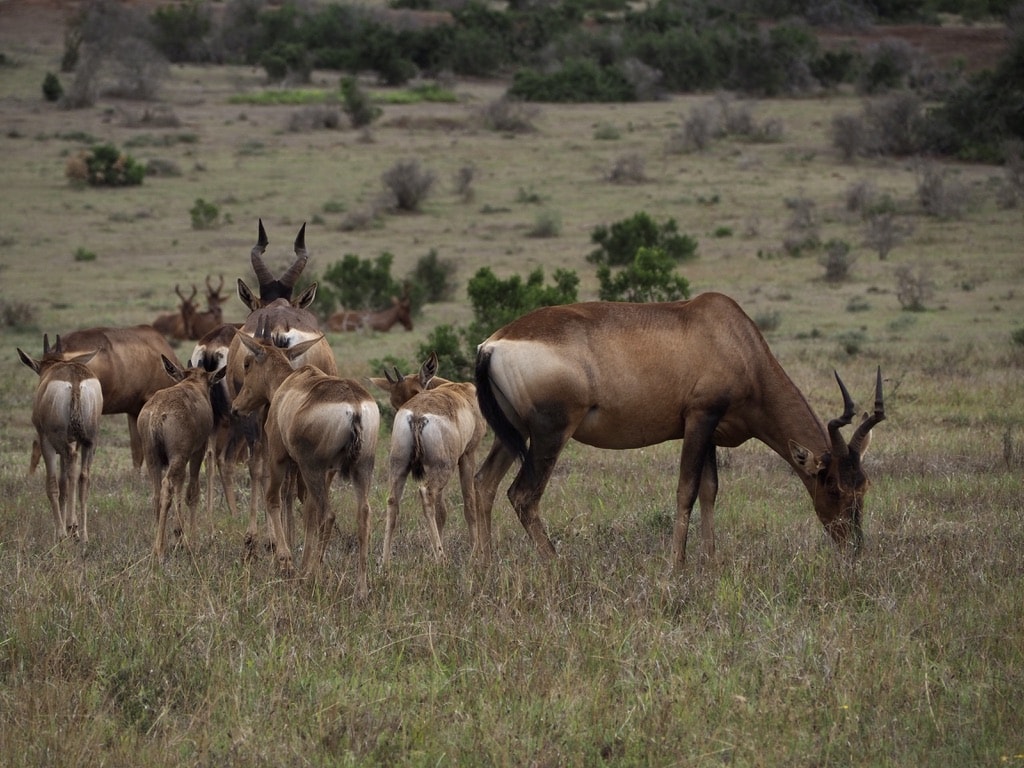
781 653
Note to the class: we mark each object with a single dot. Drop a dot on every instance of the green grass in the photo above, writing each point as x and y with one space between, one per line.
780 653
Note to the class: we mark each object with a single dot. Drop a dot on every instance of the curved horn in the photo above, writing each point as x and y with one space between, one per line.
301 256
46 343
839 447
262 273
879 415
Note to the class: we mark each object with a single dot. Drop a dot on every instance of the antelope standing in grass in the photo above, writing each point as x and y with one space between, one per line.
620 375
232 437
316 425
288 321
129 366
438 428
175 425
66 414
400 311
178 325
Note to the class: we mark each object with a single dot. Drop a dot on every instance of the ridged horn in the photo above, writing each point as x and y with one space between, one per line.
879 415
839 447
262 273
301 257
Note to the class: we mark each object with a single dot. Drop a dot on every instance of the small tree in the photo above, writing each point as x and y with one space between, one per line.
357 104
355 283
619 243
837 260
52 89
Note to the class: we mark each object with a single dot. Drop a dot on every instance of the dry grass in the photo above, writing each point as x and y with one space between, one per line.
781 653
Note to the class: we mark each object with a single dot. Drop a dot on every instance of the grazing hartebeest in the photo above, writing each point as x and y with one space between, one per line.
621 375
316 425
288 322
66 414
437 428
400 311
129 366
213 317
178 325
175 425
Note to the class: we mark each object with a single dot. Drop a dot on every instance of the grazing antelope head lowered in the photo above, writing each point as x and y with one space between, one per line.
621 375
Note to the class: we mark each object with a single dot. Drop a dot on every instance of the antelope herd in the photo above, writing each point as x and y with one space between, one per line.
267 390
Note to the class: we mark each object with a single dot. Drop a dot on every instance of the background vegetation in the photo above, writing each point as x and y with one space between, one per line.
780 653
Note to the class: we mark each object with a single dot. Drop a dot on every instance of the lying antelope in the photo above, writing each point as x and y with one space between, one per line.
178 325
66 414
285 319
400 311
175 425
316 425
620 375
213 316
438 427
129 366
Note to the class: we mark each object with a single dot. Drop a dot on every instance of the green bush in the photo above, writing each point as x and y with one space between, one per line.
84 254
52 89
357 104
576 81
181 31
431 279
650 277
105 165
618 244
204 215
497 302
355 283
455 354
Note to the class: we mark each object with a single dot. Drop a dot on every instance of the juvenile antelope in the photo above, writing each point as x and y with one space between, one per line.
66 414
438 427
175 425
316 425
621 375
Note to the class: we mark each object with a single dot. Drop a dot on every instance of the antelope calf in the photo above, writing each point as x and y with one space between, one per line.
66 414
438 427
317 425
175 426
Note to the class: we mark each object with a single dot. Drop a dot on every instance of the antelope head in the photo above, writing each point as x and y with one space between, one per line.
265 369
402 388
214 297
272 288
836 478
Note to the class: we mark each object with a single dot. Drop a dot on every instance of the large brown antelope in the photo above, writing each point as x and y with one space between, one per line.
213 316
175 425
66 414
288 321
178 325
129 366
438 427
400 311
316 425
619 375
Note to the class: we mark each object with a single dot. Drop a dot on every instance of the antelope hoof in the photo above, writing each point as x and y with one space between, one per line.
287 567
250 546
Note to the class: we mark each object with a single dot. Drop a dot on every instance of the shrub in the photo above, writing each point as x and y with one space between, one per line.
886 66
939 197
497 302
850 136
618 244
576 81
181 31
650 277
18 315
628 169
204 215
105 165
1017 337
914 288
837 260
464 183
314 117
432 278
883 232
895 124
52 89
355 283
408 184
357 104
768 321
508 116
546 224
84 254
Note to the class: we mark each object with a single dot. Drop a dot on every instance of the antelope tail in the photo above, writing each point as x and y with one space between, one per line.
504 430
416 426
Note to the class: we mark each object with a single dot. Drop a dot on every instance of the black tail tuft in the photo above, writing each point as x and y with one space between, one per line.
504 429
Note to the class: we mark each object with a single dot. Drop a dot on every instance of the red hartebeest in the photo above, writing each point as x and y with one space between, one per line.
175 425
400 311
213 316
438 428
621 375
66 414
275 314
316 425
129 366
178 325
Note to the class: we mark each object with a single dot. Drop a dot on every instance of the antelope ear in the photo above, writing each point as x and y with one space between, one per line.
33 364
805 460
428 370
247 297
306 297
866 440
218 375
172 369
382 383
